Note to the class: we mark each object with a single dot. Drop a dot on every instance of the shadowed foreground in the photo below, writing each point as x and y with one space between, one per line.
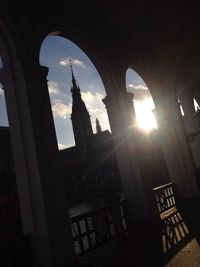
173 243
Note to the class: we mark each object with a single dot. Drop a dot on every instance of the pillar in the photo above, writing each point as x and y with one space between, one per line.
40 186
191 124
176 149
121 116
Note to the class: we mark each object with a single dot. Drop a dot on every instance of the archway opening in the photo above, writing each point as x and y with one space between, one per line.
196 105
148 142
3 110
181 108
143 101
56 53
87 157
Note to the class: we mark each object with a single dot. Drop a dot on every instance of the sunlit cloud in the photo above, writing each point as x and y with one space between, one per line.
66 61
60 109
53 88
96 109
62 146
144 114
144 106
140 91
136 87
93 102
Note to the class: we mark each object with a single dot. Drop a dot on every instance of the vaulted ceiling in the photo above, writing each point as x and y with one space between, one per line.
160 34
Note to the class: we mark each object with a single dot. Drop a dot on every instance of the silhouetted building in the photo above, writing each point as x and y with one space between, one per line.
80 117
91 163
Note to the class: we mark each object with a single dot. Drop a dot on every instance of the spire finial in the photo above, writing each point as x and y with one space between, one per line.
70 62
74 86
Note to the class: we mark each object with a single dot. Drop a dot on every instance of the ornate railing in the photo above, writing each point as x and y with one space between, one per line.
96 228
165 197
174 228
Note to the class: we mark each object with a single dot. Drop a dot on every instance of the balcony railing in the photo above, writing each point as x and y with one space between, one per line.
165 197
95 228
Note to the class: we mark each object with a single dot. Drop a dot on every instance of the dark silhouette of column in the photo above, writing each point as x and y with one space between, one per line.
122 120
176 148
40 185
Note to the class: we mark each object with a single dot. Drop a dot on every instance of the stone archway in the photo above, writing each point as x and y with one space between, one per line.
34 149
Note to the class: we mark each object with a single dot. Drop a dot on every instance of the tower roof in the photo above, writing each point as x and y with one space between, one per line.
98 126
74 86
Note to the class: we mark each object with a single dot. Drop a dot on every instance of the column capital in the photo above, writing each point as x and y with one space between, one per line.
168 112
18 68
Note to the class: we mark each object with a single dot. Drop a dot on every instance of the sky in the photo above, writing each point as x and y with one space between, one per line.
55 53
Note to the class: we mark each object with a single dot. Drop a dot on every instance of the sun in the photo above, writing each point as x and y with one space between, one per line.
144 114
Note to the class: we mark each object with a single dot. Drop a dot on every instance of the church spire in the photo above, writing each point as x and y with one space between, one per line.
98 126
74 86
80 117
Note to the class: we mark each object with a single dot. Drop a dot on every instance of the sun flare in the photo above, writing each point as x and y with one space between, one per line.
144 114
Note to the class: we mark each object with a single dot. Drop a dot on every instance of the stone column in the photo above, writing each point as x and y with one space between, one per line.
191 125
121 116
176 149
44 213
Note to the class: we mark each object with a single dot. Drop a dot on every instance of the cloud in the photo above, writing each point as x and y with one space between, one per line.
62 146
65 62
140 91
137 87
93 101
53 88
60 109
96 109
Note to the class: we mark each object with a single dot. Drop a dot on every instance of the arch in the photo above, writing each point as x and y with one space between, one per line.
20 75
11 47
188 72
70 29
148 75
55 53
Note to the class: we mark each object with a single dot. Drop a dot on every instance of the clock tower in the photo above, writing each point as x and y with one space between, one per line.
80 117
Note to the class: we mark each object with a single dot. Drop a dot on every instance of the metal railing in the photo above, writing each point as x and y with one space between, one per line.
95 228
165 197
